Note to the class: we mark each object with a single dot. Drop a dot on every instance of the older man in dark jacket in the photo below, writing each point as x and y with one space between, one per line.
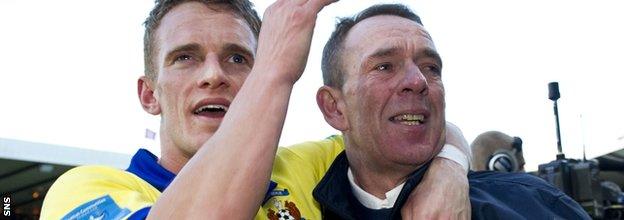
384 91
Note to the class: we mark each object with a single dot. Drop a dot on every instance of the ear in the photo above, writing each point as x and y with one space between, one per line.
332 106
146 96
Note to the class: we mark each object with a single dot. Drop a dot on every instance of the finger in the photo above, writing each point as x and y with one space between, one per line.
317 5
299 2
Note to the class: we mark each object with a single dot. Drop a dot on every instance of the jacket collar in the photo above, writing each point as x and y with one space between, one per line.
336 198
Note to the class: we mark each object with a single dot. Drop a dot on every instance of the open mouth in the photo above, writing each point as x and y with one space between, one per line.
211 110
408 119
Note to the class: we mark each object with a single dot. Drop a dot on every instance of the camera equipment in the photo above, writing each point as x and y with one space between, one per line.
579 178
553 94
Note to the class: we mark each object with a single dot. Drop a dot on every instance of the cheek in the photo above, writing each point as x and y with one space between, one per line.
159 95
369 105
167 95
374 99
439 87
238 80
436 94
171 95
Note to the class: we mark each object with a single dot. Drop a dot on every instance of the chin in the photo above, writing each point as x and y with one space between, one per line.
198 140
415 154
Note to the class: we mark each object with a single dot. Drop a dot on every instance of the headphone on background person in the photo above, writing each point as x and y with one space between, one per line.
504 160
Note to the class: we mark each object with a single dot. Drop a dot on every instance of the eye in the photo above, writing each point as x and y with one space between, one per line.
237 58
183 58
383 67
432 69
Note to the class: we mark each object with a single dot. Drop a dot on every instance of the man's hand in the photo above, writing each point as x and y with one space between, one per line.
443 193
285 37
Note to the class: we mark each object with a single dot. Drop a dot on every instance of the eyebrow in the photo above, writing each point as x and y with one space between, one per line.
186 47
383 52
238 48
386 52
197 47
378 54
431 53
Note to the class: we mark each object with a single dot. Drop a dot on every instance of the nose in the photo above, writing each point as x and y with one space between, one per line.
413 81
212 75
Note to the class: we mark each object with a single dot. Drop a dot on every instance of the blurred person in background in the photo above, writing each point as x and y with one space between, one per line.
497 151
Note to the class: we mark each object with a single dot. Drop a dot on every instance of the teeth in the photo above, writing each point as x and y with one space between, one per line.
211 108
409 119
410 122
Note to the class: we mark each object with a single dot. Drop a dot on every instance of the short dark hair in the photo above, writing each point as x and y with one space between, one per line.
243 8
332 63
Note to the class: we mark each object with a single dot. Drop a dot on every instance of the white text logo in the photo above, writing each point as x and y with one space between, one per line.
6 206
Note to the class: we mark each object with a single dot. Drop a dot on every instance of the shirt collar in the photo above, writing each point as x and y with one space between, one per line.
145 165
335 195
370 201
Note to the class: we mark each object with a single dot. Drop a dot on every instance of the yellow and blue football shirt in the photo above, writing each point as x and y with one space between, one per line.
296 171
98 192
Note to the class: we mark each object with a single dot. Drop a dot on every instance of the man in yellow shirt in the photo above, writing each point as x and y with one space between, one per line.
213 164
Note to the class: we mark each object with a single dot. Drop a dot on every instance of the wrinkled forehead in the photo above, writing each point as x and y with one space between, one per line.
201 23
386 31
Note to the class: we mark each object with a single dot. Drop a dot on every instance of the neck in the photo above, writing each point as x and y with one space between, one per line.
375 183
171 157
374 177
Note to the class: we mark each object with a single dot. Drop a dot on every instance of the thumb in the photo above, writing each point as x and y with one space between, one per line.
318 5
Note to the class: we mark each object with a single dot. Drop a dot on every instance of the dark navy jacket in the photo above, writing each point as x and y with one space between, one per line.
493 195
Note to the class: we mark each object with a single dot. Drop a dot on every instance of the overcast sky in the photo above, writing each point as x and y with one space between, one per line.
68 72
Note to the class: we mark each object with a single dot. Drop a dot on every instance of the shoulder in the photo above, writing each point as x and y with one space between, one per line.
524 179
314 153
92 173
521 183
314 156
87 177
328 145
499 193
85 184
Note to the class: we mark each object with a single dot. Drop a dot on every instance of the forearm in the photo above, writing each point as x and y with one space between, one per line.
456 147
456 138
453 154
230 172
443 192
